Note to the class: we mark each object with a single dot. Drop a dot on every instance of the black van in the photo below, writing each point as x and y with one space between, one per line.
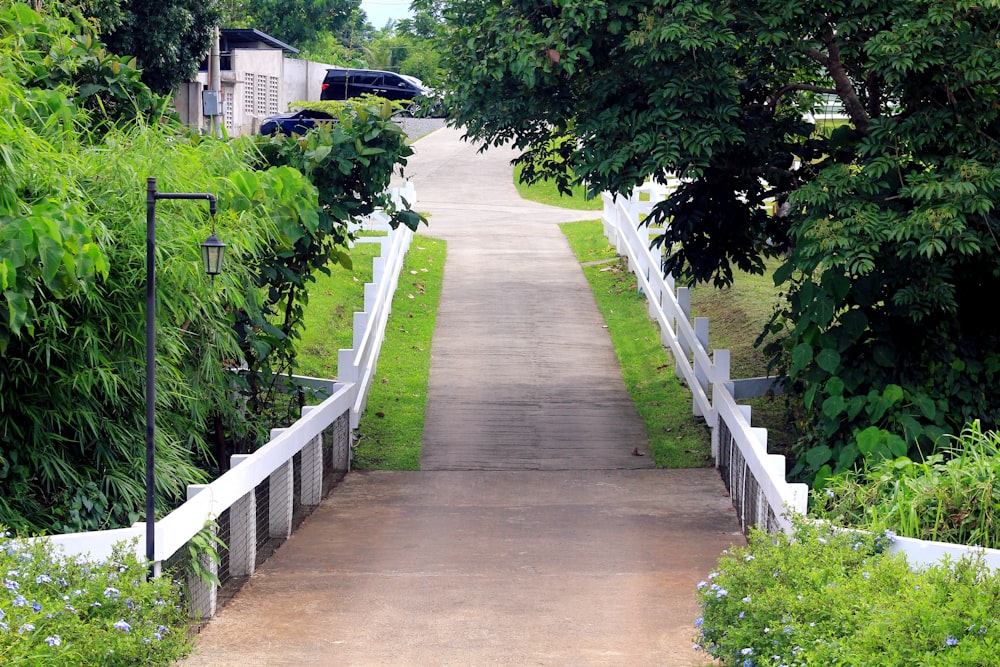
343 84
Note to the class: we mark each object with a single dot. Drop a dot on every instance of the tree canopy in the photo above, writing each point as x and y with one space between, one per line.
296 22
886 223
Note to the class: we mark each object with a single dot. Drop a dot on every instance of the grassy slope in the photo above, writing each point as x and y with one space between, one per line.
677 439
392 427
546 192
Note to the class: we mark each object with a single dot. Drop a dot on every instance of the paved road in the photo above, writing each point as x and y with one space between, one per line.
529 537
523 374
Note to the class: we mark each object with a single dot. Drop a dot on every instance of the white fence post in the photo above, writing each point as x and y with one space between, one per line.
202 595
282 490
242 529
312 472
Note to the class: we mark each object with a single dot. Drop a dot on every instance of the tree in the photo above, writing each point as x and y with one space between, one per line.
298 22
889 220
168 38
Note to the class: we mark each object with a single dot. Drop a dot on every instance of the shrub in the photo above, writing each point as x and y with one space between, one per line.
73 612
952 496
826 597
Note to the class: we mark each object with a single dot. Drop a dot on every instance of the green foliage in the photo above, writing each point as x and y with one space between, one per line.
76 613
826 597
348 164
887 222
547 192
168 38
73 273
72 276
952 496
295 22
203 548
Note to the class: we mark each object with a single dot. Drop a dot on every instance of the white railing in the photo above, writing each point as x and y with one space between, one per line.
755 479
358 364
259 496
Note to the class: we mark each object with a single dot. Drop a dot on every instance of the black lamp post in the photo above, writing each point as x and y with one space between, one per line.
211 254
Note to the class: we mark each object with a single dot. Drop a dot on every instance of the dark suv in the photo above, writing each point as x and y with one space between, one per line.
343 84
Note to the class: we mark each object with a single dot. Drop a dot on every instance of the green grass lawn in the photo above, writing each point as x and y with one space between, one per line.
333 300
392 426
677 439
546 192
737 316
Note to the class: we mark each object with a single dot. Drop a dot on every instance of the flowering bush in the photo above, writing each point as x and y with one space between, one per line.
823 597
70 611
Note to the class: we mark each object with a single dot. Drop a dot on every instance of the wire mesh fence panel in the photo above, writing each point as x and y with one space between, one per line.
336 451
266 545
752 507
223 549
299 511
257 524
199 593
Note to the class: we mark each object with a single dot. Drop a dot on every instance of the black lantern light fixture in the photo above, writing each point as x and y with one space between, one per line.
211 254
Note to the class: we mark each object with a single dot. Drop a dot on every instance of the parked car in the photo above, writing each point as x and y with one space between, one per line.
296 122
343 84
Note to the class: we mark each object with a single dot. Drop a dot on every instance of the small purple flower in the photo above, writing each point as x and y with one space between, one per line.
122 625
697 622
53 640
746 599
27 627
702 584
43 579
951 641
721 593
157 636
19 601
36 607
10 585
110 592
746 651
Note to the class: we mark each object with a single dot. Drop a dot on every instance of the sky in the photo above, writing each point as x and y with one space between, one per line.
381 11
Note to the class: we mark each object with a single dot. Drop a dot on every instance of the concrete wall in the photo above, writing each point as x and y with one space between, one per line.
303 79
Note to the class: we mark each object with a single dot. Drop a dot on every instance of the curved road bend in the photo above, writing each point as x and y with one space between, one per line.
531 536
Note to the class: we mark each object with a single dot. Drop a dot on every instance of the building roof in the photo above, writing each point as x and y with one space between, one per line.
241 38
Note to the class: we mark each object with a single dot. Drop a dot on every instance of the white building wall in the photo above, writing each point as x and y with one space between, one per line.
303 79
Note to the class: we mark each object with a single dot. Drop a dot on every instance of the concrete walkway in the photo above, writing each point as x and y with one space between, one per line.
529 537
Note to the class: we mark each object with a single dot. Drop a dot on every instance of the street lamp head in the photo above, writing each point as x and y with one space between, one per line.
211 255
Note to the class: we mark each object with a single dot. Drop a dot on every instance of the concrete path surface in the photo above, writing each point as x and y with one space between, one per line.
529 537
